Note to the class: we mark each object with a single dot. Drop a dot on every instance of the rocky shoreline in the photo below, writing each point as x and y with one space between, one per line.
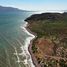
49 49
34 60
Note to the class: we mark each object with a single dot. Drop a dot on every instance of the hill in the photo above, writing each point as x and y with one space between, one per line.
10 9
50 45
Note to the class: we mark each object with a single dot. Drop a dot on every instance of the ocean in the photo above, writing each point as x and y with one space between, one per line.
14 40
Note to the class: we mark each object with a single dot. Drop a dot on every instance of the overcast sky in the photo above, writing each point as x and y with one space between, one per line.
36 4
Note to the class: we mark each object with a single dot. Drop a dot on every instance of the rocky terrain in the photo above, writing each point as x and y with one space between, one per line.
50 45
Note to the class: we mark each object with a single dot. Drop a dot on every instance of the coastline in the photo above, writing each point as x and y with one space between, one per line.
26 48
34 60
50 41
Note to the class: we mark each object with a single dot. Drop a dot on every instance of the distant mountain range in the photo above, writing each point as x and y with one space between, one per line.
10 9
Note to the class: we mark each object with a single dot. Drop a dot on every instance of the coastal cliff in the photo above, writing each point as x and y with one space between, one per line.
49 48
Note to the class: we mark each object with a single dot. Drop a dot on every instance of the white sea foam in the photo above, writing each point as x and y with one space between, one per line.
24 48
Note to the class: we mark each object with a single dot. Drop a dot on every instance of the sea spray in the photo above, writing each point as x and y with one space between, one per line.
24 48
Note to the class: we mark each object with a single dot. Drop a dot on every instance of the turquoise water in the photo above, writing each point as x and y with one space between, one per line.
11 38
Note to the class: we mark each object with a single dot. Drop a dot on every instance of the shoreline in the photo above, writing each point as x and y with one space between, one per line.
50 43
25 49
34 60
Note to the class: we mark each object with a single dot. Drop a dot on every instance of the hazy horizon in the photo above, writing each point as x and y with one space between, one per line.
36 5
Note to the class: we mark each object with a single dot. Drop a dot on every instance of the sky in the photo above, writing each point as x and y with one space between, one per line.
36 5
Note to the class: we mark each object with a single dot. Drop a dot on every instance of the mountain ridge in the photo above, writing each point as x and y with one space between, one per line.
9 9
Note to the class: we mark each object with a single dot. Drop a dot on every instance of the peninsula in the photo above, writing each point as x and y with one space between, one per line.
49 48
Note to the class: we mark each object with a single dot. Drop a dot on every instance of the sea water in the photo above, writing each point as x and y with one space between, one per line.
14 40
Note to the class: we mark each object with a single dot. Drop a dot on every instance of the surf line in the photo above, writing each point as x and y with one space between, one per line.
28 59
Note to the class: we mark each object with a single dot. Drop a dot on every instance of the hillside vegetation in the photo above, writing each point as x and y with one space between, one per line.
50 46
